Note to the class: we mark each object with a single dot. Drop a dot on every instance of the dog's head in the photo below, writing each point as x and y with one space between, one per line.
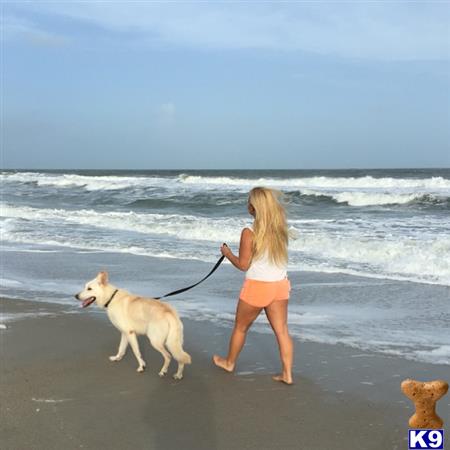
95 290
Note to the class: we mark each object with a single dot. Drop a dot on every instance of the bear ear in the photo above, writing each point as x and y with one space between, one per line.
102 278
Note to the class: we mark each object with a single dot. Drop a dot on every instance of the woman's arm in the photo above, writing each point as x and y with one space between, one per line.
242 262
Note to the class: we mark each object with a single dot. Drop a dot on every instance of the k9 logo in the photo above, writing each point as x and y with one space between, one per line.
426 439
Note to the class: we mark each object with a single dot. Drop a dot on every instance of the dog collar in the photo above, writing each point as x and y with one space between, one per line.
112 296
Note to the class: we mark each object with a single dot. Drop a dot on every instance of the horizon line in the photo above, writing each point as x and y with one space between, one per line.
222 170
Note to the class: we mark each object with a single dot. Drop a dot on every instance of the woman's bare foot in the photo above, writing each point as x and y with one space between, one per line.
283 379
223 363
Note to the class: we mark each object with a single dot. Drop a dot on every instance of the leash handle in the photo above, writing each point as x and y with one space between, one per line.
179 291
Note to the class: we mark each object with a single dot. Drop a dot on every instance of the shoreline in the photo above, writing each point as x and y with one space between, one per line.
60 391
325 308
340 273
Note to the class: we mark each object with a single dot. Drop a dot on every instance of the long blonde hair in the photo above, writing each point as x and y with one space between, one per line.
270 226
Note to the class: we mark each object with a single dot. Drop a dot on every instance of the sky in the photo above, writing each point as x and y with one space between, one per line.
225 85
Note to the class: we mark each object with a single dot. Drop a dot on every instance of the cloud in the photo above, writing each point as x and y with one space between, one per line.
19 28
166 115
375 30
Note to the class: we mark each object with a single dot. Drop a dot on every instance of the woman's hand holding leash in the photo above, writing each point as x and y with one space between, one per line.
225 250
242 261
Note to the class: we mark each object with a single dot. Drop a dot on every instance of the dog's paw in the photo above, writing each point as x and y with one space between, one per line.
177 377
140 369
115 358
162 374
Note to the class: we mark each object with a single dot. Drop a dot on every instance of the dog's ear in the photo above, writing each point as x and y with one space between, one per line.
102 278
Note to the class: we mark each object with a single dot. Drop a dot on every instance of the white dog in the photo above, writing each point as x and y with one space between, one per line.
133 315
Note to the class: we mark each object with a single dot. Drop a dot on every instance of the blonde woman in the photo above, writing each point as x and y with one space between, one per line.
263 256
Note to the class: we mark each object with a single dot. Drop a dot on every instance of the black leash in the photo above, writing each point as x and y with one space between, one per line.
179 291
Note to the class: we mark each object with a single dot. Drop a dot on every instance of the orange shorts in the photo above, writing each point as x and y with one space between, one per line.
263 293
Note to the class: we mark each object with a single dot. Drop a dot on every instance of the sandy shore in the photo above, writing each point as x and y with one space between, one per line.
60 391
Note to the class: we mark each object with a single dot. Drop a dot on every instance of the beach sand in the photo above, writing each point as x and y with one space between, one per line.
60 391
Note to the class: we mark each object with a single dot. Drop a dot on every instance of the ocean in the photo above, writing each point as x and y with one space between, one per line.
370 248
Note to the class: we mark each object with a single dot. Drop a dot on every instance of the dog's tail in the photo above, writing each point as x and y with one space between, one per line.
174 341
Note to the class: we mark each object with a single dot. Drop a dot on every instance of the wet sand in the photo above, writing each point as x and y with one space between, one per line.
60 391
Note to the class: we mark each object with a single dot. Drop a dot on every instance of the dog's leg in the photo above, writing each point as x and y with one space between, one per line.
122 348
179 374
132 339
157 344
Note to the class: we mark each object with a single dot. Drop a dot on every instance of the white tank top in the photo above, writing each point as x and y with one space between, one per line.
263 269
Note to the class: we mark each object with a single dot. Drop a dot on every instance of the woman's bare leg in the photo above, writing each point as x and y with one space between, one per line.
245 315
277 314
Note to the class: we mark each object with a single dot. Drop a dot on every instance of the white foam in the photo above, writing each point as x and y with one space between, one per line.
420 278
180 226
341 283
88 182
361 191
99 248
395 257
6 282
323 182
343 325
50 400
36 250
377 198
2 326
415 250
357 333
439 355
355 191
14 317
308 318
